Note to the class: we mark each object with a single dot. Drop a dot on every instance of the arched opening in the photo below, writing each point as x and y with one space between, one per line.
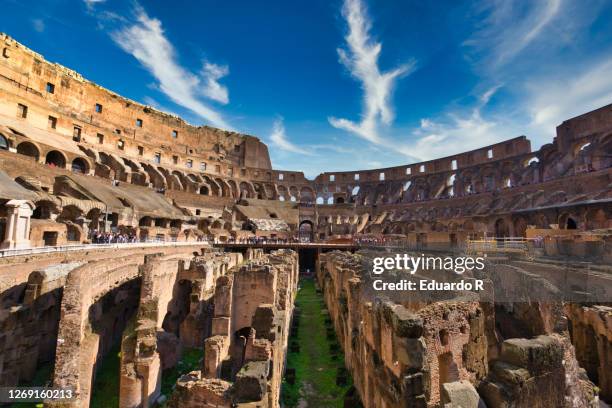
330 200
55 159
306 195
501 229
4 145
281 198
28 149
80 166
204 190
70 213
571 224
320 200
305 231
355 191
73 234
293 199
340 200
43 210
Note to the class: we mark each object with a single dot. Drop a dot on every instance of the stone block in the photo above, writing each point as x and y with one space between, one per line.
460 394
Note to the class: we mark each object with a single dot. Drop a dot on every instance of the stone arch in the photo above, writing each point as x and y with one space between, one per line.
204 190
294 192
80 165
246 190
44 209
234 188
568 221
501 228
56 158
70 213
4 143
29 149
307 195
306 231
225 188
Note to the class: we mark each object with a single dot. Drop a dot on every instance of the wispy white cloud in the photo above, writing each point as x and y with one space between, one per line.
211 73
38 25
456 132
92 3
146 41
361 59
279 139
511 27
555 98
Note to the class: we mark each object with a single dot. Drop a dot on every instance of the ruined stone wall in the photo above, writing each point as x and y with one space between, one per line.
245 354
427 354
591 333
78 344
399 354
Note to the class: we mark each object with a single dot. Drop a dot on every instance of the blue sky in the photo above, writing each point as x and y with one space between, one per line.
341 84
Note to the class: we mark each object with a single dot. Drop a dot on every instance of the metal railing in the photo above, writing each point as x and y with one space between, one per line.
502 245
5 253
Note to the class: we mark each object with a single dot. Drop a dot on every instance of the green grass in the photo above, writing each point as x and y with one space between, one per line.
315 370
190 361
105 393
106 387
42 378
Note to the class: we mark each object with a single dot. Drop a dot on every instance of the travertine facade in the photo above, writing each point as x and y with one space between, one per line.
80 164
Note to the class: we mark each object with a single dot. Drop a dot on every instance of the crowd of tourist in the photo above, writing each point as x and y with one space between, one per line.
262 240
98 237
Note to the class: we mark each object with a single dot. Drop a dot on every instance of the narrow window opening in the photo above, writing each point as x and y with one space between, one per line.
22 111
76 134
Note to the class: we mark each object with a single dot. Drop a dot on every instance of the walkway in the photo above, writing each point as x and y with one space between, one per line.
315 355
5 253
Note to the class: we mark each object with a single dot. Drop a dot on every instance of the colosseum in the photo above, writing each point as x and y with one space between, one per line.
148 262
